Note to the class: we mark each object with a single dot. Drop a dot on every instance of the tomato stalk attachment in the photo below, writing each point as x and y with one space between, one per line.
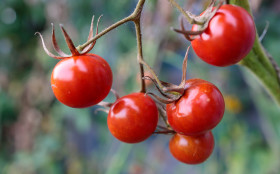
165 132
106 105
201 21
70 44
106 110
170 91
162 113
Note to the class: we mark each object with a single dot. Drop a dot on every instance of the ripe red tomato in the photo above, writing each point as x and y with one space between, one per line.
192 149
81 81
229 37
199 110
133 118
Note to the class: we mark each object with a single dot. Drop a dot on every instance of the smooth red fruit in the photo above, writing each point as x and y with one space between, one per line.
133 118
192 149
199 110
229 37
81 81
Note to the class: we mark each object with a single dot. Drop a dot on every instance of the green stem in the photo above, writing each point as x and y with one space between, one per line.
132 17
105 31
257 61
137 22
140 54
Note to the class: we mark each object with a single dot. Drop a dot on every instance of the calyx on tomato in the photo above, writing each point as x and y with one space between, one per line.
69 42
225 39
81 79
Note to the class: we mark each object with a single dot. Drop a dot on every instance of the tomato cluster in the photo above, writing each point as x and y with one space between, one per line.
134 117
193 116
84 79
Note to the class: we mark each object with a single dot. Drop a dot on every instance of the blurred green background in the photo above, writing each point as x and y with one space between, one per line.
39 135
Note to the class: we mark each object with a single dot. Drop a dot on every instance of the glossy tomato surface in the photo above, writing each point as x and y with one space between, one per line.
192 150
133 118
229 37
199 110
81 81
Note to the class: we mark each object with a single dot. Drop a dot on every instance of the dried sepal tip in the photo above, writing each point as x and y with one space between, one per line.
45 48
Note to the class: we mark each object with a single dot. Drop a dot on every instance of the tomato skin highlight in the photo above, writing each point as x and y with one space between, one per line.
228 38
133 118
81 81
192 149
199 110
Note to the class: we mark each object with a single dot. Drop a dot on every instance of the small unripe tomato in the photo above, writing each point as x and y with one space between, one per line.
199 110
228 38
133 118
81 81
192 149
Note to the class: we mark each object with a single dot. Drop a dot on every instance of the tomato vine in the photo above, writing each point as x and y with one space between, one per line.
189 110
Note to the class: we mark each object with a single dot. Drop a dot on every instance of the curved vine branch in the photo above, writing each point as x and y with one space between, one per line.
135 17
